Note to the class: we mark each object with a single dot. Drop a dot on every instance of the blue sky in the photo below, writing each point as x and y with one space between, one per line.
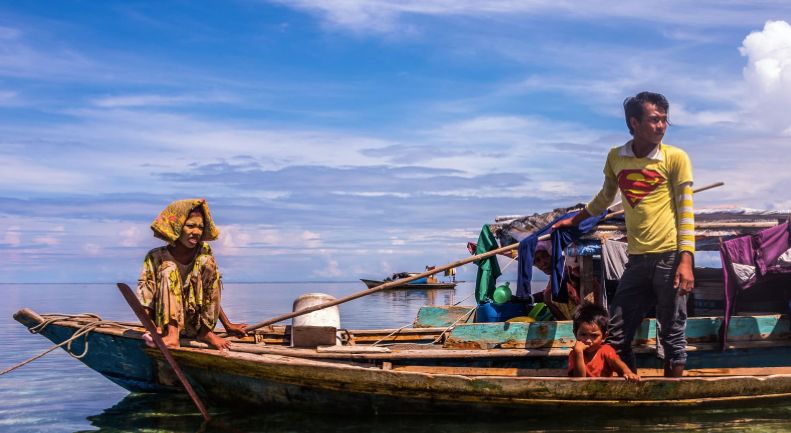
338 139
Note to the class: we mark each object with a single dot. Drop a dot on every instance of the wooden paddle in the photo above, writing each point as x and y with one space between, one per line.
436 270
131 299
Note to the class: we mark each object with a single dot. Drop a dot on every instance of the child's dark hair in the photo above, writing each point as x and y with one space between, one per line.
591 313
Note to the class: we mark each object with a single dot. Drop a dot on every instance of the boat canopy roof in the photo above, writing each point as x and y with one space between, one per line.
711 225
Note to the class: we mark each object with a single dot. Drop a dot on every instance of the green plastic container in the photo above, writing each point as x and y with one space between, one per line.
502 294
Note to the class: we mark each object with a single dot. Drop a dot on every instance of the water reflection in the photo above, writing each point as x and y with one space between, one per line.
421 296
176 413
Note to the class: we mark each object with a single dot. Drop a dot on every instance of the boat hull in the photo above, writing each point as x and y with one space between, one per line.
373 383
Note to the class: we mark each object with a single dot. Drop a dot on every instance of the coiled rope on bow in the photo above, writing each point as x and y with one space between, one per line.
82 331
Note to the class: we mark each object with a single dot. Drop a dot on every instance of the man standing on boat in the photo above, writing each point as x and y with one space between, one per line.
655 180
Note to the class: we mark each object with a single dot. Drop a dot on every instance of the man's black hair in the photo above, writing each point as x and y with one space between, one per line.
633 106
591 313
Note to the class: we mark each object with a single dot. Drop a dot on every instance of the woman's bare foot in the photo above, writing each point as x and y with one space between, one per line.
171 336
212 339
149 340
167 338
171 339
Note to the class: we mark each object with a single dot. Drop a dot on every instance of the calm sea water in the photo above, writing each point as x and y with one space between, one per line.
59 394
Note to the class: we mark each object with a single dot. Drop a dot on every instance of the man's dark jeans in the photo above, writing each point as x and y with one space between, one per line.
648 282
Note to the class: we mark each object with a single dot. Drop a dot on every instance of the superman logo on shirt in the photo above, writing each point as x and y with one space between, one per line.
637 184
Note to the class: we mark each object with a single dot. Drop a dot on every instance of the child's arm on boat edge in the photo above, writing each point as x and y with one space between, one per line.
623 370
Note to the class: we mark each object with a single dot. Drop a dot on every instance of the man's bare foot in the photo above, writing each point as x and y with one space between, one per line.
212 339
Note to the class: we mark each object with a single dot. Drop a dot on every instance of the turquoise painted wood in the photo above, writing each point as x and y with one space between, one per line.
434 316
560 335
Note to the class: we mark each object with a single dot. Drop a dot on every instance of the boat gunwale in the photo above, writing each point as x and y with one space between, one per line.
430 352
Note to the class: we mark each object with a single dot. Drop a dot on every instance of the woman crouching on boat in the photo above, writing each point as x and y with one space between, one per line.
180 284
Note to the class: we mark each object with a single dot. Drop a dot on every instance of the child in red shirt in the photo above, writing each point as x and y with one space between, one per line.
591 357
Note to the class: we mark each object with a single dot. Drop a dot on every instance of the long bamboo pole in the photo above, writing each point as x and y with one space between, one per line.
406 280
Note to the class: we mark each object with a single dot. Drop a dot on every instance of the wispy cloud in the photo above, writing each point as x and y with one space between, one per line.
385 15
124 101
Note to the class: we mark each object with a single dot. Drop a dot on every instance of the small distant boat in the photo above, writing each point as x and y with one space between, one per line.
421 283
411 286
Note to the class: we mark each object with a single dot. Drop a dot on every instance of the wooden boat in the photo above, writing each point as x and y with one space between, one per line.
446 361
431 367
413 286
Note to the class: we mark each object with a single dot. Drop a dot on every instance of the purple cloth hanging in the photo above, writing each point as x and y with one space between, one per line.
770 244
760 250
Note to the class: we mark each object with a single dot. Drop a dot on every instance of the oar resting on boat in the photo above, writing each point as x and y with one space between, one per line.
141 314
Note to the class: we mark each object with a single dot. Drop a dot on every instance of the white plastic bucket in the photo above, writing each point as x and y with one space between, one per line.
325 317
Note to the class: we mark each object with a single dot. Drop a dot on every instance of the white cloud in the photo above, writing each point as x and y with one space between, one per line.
512 130
8 97
373 194
332 269
12 236
134 236
46 240
92 249
242 240
30 174
7 33
768 74
149 100
682 117
311 239
391 16
232 240
24 58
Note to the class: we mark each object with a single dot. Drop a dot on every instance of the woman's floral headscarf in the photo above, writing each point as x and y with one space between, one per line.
167 225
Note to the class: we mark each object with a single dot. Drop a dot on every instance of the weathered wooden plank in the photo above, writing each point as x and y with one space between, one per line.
352 349
562 372
479 371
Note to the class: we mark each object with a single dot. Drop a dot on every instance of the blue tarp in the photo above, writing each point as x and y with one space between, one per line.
560 239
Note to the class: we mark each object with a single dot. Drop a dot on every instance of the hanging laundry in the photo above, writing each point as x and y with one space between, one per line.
613 258
488 268
560 239
748 259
